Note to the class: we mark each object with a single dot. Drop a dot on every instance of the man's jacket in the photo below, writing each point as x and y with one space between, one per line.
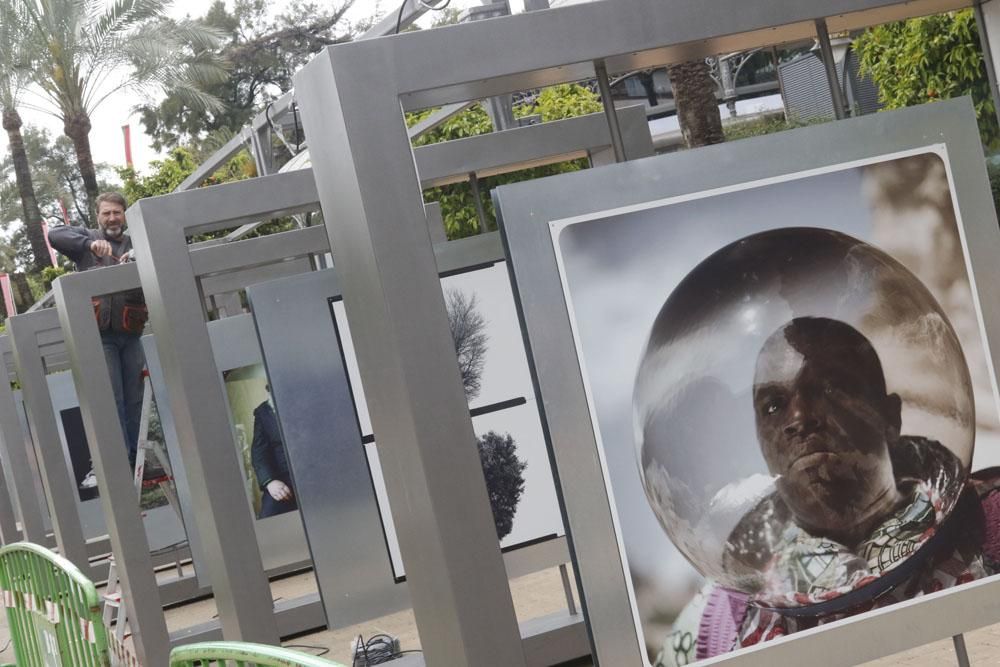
267 453
122 312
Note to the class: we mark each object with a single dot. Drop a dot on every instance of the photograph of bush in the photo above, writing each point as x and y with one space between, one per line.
618 272
497 381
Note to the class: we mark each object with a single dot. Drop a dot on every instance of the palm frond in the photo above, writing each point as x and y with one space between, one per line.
194 97
123 15
18 56
197 35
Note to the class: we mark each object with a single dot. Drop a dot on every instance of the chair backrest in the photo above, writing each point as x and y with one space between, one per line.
53 610
242 654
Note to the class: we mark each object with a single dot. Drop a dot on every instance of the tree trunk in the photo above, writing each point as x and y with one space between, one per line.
26 189
23 298
697 106
77 128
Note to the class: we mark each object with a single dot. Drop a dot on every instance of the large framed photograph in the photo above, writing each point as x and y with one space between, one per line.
334 453
259 450
497 383
785 365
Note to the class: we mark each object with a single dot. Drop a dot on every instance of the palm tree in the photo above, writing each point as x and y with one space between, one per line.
91 51
697 106
15 72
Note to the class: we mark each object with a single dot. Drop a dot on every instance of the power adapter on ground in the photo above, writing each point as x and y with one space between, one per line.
377 650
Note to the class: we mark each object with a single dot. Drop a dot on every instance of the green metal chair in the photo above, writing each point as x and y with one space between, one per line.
53 610
241 654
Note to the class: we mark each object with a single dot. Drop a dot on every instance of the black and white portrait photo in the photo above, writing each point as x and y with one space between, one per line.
792 398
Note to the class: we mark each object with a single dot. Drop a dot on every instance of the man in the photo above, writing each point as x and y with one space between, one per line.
830 434
854 500
267 453
120 317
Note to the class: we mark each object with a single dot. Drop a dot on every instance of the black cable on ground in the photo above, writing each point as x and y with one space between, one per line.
319 650
378 650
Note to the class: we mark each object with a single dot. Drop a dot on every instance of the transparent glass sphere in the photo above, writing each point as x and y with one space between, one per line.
804 416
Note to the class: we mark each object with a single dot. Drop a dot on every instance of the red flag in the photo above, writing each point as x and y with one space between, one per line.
8 295
127 130
52 253
62 207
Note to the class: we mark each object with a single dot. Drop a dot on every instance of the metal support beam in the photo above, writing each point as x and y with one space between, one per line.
119 501
393 298
60 486
20 457
609 110
961 653
350 96
477 199
438 117
531 146
198 404
219 158
836 92
401 17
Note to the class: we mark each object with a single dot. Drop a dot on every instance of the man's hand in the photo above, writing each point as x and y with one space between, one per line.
279 490
100 248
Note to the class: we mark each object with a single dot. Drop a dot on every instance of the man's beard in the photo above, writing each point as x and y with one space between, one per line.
114 231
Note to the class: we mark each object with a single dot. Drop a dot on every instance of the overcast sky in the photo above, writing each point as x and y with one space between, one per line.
106 136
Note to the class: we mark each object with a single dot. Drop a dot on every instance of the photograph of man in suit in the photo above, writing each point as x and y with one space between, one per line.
267 453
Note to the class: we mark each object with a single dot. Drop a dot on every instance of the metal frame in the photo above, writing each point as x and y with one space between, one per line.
350 96
311 394
39 339
526 209
170 270
29 333
159 229
257 132
127 533
229 267
532 146
281 539
19 460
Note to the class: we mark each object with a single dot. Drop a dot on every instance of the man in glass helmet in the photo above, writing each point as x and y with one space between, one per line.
853 501
861 497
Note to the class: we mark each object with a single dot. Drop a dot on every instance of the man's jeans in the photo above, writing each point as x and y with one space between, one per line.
125 363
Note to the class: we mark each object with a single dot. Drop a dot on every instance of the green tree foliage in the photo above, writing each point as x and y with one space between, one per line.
18 57
262 52
168 173
50 273
457 202
928 59
758 127
56 179
993 169
504 474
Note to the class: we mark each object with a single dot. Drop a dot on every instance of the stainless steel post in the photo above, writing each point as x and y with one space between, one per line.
609 110
60 486
961 653
134 565
836 93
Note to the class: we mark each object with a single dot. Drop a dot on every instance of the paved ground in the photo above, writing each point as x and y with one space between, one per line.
534 595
